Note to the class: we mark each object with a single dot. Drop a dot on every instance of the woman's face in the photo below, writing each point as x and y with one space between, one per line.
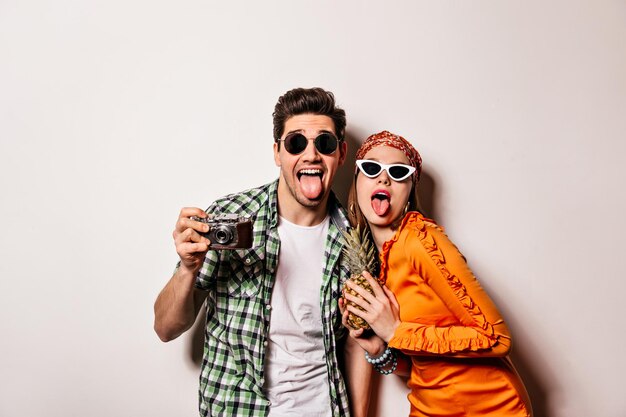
381 199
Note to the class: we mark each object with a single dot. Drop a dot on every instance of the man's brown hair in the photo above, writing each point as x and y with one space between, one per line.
308 100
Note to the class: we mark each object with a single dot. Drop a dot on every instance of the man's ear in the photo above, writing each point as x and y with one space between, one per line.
276 154
343 152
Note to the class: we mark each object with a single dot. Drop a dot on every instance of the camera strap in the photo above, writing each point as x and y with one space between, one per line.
340 221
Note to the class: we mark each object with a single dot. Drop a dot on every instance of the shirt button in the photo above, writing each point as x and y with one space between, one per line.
268 306
265 343
247 261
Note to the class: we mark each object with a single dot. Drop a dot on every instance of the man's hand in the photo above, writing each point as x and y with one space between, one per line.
190 245
179 302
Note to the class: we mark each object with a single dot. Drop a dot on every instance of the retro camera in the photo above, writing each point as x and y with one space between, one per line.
228 231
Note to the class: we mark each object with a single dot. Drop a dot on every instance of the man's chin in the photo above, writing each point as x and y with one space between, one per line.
306 202
310 202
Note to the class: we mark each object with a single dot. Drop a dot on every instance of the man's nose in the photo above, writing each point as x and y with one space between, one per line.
310 152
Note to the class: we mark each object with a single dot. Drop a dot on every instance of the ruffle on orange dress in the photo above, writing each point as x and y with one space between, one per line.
457 341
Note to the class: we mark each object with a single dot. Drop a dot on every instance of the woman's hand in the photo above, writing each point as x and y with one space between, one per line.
368 341
380 310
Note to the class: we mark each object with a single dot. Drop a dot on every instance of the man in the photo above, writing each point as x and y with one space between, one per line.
272 324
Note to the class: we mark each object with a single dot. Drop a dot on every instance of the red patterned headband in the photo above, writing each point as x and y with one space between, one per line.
386 138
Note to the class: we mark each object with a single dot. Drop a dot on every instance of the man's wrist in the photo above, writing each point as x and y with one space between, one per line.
187 274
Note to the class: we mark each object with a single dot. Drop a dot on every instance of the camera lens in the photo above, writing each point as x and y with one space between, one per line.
223 235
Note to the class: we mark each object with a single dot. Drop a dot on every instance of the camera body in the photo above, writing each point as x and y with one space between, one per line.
228 231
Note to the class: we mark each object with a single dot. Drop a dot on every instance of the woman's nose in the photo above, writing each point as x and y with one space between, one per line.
383 178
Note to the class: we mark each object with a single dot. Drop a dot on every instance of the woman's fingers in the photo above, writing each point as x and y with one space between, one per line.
366 300
369 297
378 293
344 320
356 333
356 300
365 315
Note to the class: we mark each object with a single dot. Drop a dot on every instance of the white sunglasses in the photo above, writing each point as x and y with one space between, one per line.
396 172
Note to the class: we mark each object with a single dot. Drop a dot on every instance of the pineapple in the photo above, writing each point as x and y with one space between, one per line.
360 254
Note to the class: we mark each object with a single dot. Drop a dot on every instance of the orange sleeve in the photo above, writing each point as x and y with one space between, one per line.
476 329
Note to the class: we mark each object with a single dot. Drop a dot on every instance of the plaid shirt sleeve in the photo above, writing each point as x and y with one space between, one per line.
239 285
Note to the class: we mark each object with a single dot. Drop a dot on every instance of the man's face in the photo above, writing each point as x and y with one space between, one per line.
308 176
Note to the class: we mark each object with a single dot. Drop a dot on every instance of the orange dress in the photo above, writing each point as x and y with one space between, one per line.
454 335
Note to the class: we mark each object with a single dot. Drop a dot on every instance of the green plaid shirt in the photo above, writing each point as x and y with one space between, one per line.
239 284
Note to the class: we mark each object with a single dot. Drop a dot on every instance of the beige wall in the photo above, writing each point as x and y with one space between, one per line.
114 114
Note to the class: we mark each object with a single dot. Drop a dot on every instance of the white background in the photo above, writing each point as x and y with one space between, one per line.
114 114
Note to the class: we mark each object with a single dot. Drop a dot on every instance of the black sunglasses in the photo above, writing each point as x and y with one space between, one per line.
372 169
296 143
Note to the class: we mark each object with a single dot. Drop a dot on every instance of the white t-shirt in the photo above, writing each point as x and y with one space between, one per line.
296 380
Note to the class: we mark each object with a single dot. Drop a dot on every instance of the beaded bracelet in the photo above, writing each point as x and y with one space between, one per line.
382 359
389 371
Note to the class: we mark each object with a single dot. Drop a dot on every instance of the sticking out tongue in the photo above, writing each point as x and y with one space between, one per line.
380 205
311 186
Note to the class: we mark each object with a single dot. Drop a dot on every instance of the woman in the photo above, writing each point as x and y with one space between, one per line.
440 317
